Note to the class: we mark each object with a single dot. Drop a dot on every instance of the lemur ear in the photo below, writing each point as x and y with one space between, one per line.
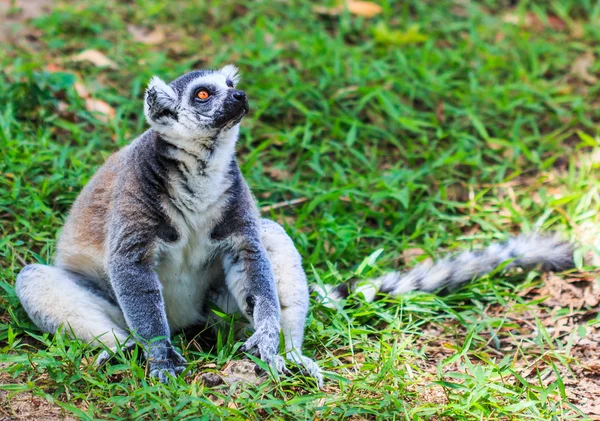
231 72
160 103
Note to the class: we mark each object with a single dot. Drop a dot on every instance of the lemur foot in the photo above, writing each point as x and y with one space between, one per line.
164 362
307 366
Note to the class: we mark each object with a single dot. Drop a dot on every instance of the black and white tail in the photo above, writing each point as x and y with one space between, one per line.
526 251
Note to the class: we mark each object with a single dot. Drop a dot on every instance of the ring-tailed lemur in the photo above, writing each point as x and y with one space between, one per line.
168 225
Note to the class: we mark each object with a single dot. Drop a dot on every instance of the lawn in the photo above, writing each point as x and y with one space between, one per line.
378 142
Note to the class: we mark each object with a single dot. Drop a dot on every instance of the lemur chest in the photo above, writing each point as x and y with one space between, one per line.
190 271
190 268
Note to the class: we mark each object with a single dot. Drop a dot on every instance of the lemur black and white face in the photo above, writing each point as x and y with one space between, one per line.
196 105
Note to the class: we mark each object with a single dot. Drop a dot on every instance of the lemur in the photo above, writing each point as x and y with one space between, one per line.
168 226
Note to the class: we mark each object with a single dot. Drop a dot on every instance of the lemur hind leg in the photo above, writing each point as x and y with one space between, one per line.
292 290
55 298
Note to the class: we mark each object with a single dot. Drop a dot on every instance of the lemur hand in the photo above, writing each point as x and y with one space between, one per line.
164 361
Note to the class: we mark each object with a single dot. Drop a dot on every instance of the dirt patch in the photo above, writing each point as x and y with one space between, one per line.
25 405
578 366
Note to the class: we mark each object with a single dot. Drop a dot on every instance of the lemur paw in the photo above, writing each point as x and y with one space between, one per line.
164 362
265 340
277 363
307 366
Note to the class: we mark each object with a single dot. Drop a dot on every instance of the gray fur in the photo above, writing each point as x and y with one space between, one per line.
526 251
167 223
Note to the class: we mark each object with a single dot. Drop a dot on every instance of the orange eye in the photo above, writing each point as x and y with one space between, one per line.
203 94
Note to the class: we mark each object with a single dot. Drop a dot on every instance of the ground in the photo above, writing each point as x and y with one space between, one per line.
379 137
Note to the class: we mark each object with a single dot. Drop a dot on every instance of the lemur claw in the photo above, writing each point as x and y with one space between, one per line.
165 362
307 366
277 363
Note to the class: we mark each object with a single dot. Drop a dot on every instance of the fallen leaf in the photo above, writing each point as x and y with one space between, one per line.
510 17
146 36
54 68
556 23
531 21
105 111
365 9
410 254
577 30
277 173
581 67
344 91
81 90
574 293
95 57
592 366
439 112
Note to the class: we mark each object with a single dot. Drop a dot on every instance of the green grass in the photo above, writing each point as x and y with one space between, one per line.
472 129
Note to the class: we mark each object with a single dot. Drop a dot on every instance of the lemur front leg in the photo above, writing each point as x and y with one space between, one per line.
250 281
138 292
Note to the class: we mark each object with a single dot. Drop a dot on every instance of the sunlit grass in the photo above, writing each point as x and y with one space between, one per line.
474 131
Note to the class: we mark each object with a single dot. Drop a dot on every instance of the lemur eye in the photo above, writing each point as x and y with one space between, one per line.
203 94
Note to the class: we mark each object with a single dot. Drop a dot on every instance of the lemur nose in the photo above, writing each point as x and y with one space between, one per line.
239 95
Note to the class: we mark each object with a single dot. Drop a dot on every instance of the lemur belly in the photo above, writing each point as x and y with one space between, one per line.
187 272
192 266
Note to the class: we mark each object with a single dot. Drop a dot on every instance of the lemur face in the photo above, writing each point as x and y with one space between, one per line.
196 105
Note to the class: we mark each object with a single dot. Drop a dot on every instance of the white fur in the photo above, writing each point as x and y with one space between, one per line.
231 72
185 268
210 186
292 287
64 302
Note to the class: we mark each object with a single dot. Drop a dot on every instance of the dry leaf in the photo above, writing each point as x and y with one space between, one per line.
365 9
54 68
581 67
95 57
593 366
81 90
577 30
277 173
410 254
439 112
572 293
556 23
105 111
146 36
531 21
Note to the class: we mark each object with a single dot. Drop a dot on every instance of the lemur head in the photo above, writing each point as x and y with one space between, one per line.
196 105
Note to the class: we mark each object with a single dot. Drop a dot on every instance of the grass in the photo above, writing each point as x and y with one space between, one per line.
434 126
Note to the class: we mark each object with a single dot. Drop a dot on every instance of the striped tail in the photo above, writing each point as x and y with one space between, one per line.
526 251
